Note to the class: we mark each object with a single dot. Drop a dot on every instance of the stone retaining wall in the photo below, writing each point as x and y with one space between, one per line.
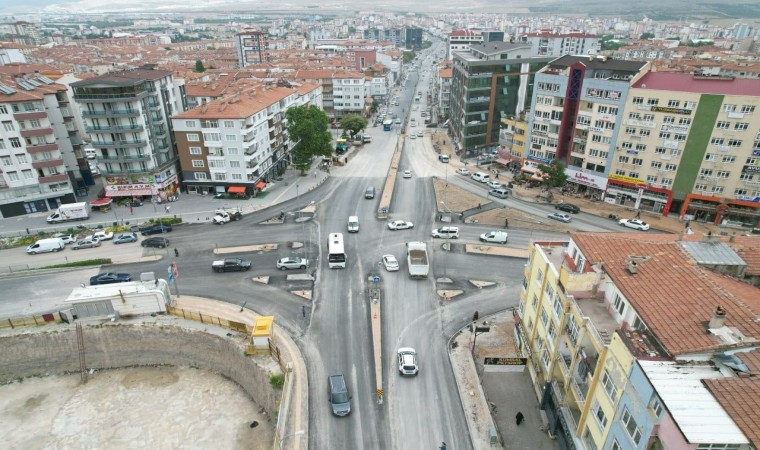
113 346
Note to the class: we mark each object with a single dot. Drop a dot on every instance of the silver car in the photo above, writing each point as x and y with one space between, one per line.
562 217
390 262
86 243
292 262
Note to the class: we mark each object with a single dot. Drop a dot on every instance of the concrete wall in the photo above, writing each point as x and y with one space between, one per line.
114 346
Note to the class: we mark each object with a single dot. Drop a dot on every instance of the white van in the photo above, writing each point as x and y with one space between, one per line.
446 233
46 245
353 224
480 176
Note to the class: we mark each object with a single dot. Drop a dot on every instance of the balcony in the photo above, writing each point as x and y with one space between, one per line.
110 128
159 132
40 164
127 172
41 148
116 158
59 178
112 113
109 97
154 105
29 132
28 115
117 144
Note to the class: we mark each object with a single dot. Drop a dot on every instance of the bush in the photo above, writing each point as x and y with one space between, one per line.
85 263
277 381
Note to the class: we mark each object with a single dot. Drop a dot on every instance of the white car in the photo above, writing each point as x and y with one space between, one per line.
463 171
499 237
390 262
292 262
88 242
413 124
636 224
420 133
412 135
66 238
103 235
562 217
400 225
407 361
494 184
407 174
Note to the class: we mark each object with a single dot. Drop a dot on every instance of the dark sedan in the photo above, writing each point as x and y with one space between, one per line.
156 229
567 207
110 277
155 242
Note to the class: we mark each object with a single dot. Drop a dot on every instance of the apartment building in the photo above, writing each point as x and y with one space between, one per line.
443 92
512 135
490 81
41 159
461 40
633 344
252 48
694 142
343 92
548 43
239 143
126 118
577 105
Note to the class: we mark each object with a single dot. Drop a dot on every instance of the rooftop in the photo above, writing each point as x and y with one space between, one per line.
492 48
686 82
713 253
563 62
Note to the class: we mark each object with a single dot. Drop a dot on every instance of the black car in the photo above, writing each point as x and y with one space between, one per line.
567 207
110 277
155 242
156 229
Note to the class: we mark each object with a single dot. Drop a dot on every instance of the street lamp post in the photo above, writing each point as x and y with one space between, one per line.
297 433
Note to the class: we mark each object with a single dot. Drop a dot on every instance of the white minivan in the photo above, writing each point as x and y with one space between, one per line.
480 176
46 245
353 224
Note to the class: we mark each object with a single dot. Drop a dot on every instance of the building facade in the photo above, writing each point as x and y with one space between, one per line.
126 118
252 48
413 38
490 82
560 44
461 40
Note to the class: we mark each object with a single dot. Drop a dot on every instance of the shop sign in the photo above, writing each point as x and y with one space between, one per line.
641 123
675 128
756 152
751 168
664 109
586 179
626 179
747 198
670 144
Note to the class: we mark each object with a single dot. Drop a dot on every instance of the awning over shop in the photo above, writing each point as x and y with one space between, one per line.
101 202
501 161
260 185
128 193
236 189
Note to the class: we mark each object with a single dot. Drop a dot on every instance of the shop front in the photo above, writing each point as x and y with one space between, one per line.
740 212
637 194
584 184
157 188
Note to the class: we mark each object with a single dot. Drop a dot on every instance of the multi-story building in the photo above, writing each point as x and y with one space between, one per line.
443 92
343 92
237 144
690 145
514 131
395 35
633 344
490 81
252 48
41 159
126 117
577 110
461 40
413 38
547 43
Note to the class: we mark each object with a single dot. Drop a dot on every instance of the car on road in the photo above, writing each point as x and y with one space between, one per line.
480 176
109 278
446 233
103 235
88 242
499 237
66 238
501 192
156 229
636 224
568 207
463 171
125 238
407 174
231 265
407 361
443 158
412 136
400 225
390 262
420 133
292 262
562 217
155 242
494 184
398 121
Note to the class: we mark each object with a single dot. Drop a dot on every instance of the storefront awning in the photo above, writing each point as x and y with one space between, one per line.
101 202
128 192
260 185
236 189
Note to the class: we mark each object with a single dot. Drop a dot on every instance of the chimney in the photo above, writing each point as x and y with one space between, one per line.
718 318
633 267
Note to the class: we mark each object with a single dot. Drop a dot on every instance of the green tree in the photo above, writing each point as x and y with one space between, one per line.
408 56
352 30
646 36
307 127
426 44
199 66
554 175
353 123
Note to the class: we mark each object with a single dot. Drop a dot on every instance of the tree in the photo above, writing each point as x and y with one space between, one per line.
646 36
554 175
353 123
307 127
408 56
199 66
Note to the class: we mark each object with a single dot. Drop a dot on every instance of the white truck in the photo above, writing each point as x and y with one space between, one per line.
70 211
112 301
417 259
224 215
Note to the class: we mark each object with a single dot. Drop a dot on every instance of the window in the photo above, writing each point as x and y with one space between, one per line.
718 447
667 182
674 103
729 108
664 135
684 121
651 179
653 101
747 109
633 174
201 176
15 142
728 159
214 137
734 142
12 176
220 176
641 147
237 177
631 427
534 303
27 174
234 164
740 192
644 133
6 160
190 123
637 100
620 172
545 358
544 317
3 109
670 167
700 187
711 157
192 137
717 141
660 150
705 172
21 159
590 444
668 119
615 445
599 415
724 174
230 137
656 165
198 163
623 159
229 124
609 386
722 125
195 150
232 151
637 161
630 130
741 126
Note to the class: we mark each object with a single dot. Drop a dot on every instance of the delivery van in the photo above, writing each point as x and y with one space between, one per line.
46 245
353 224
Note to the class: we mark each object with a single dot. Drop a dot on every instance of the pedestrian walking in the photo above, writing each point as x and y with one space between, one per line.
638 214
167 209
303 311
519 418
443 446
479 206
688 224
176 253
506 223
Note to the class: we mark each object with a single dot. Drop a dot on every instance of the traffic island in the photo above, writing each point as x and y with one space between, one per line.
246 249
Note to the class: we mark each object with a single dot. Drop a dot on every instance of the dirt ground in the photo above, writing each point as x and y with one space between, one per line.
132 408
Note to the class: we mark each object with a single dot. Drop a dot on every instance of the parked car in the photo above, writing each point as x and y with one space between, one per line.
463 171
480 176
446 233
567 207
156 229
390 262
88 242
501 192
109 278
635 224
407 361
125 238
443 158
103 235
66 238
499 237
400 225
494 184
407 174
155 242
292 262
561 217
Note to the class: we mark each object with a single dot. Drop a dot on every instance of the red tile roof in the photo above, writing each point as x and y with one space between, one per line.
739 397
684 82
673 295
